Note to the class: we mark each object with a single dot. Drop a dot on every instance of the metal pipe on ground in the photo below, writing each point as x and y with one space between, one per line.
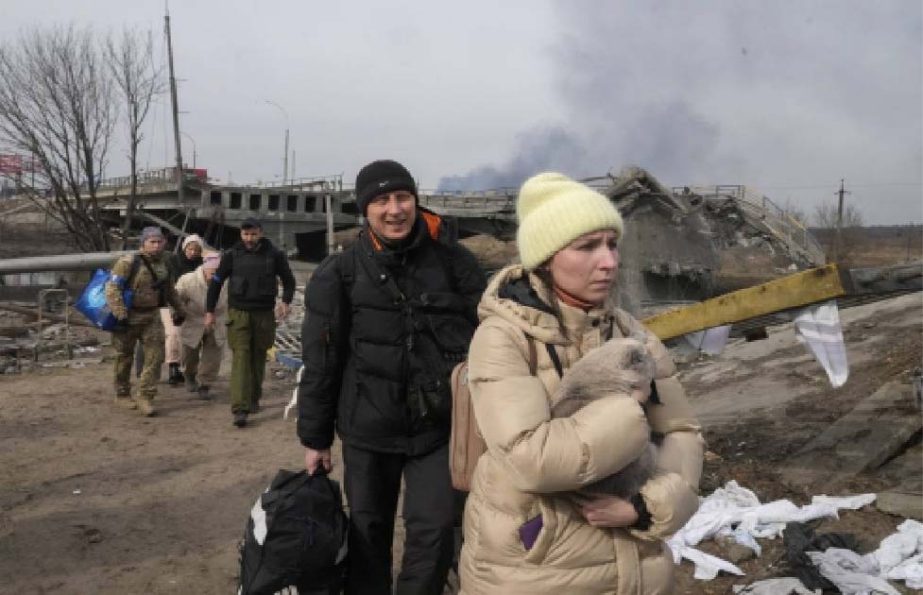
63 262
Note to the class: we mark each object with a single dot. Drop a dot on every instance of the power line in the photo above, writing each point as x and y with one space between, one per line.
826 186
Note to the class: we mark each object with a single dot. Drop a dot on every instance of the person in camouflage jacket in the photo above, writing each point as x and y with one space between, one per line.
149 278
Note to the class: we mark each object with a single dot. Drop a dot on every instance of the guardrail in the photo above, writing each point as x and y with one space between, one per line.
782 223
502 199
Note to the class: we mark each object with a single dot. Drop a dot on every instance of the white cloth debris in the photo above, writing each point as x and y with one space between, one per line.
736 512
819 327
711 340
850 572
707 566
775 586
851 502
294 400
900 555
910 571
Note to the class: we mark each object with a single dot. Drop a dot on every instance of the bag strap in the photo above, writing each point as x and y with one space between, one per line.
149 268
555 359
133 270
533 356
372 269
347 266
447 267
346 261
158 282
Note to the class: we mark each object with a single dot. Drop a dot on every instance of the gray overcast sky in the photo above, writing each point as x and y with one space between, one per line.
785 96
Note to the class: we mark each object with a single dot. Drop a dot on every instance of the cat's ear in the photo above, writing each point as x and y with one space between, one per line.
637 356
640 335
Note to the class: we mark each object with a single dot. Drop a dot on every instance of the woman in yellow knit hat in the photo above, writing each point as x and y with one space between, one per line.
525 531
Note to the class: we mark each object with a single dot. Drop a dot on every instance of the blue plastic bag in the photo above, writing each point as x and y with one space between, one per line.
92 302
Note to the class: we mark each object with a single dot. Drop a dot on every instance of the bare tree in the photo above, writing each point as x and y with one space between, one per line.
56 104
796 212
139 81
825 216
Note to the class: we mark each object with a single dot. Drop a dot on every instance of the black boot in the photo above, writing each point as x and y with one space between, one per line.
175 377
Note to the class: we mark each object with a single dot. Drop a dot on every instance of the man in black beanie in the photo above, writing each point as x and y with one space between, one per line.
386 321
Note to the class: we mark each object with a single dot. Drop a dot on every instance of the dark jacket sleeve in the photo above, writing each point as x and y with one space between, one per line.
288 279
174 267
470 281
324 351
218 279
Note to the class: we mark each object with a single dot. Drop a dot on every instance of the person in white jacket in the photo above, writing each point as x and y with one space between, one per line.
203 345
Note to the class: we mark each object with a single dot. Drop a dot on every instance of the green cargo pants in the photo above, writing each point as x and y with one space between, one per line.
250 335
147 328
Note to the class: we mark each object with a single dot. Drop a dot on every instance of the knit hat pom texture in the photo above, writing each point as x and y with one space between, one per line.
553 211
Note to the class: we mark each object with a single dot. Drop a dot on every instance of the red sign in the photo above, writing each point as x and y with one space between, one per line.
10 164
200 174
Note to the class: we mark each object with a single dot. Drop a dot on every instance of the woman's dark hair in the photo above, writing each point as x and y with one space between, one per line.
543 272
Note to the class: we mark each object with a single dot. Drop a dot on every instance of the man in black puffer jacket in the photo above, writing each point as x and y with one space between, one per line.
252 268
387 319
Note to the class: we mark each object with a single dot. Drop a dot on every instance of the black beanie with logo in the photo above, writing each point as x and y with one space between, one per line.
382 177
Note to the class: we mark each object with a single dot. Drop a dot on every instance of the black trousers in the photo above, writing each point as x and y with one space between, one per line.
373 483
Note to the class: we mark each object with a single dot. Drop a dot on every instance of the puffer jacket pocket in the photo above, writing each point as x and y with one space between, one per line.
545 539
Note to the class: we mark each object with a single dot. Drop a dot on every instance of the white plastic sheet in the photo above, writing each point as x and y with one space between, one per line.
710 341
819 327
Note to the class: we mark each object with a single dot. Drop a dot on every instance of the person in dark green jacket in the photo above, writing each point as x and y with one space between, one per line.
253 268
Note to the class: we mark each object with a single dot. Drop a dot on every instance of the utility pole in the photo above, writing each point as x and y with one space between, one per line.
285 154
285 161
175 105
328 211
839 222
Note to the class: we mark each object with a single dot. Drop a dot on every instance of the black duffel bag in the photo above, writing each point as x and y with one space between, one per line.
295 537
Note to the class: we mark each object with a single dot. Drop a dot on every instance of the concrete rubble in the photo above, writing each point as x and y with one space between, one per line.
688 244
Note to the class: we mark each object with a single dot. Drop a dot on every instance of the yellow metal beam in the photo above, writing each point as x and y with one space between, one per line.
792 291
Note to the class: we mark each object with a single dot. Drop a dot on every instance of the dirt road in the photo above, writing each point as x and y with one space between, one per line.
99 500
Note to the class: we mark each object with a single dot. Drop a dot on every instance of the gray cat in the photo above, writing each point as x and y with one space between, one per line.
619 365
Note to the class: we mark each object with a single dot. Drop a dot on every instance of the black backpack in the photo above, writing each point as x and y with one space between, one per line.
295 537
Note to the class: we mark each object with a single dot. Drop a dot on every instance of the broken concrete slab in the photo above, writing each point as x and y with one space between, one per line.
909 506
873 432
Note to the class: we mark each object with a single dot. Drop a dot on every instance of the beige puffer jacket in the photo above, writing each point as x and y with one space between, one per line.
192 289
533 461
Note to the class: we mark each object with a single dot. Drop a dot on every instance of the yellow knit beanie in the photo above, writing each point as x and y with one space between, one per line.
553 211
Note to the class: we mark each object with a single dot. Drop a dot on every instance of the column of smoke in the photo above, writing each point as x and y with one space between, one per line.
727 92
